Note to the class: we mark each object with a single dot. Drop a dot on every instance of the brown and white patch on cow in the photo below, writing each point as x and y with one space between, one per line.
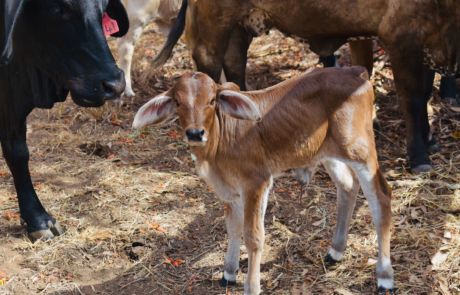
258 22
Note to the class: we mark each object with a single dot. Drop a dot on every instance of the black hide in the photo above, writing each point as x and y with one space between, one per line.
48 49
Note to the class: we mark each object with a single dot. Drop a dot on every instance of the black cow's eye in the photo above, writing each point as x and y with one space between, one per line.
213 102
59 12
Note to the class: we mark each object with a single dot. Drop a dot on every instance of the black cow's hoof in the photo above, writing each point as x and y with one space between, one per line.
422 168
53 230
433 146
330 262
384 291
225 283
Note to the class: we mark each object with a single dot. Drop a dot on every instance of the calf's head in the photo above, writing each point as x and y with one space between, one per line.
198 101
64 40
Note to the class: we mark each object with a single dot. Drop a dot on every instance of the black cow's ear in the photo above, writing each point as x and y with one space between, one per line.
117 11
10 10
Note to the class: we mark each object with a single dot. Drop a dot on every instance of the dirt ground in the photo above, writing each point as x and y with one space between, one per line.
139 221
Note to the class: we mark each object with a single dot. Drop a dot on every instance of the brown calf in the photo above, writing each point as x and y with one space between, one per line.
240 140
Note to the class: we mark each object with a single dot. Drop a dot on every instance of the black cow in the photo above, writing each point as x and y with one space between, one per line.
48 49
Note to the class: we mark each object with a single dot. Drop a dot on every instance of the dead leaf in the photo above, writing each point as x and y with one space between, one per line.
3 278
342 291
318 223
11 215
173 262
371 261
439 258
156 227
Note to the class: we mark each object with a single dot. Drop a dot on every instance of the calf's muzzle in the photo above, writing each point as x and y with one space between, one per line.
195 134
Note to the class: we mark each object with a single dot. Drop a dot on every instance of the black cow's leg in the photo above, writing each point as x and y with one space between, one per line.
236 57
448 89
414 83
362 54
39 223
328 61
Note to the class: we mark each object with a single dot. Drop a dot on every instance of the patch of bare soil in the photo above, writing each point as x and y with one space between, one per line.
139 221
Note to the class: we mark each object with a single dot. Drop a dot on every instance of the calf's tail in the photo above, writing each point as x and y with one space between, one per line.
173 36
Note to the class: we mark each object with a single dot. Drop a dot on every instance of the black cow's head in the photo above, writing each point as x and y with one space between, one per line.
64 40
441 36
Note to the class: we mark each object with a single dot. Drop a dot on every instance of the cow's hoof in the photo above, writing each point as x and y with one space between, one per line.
330 262
129 93
433 146
385 291
53 230
422 168
226 283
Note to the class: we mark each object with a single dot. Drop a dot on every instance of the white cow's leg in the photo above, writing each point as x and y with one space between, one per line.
347 190
126 51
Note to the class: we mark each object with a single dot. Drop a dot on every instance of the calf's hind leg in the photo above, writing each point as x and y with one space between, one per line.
40 225
378 195
347 189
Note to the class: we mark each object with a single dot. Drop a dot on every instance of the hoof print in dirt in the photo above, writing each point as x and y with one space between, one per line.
96 149
137 250
384 291
225 283
53 230
330 262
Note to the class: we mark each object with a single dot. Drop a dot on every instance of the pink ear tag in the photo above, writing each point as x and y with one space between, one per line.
109 25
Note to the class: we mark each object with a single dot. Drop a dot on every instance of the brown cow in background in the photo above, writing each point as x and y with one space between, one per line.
418 35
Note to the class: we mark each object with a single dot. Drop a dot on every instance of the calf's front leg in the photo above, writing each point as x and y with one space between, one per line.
255 204
40 225
234 223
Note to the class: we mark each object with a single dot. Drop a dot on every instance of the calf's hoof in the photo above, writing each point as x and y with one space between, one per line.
53 229
226 283
384 291
330 262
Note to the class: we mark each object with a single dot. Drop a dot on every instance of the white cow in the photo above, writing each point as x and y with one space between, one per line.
140 13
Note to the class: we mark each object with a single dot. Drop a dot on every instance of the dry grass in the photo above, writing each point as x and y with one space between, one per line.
139 221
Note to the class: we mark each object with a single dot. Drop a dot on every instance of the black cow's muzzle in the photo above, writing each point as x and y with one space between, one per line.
92 92
114 88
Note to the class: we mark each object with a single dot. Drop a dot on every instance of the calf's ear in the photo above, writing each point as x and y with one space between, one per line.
238 105
157 110
117 11
11 9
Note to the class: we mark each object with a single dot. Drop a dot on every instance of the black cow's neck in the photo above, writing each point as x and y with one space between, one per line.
22 88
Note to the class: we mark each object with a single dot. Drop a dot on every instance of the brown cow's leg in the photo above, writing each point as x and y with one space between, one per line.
254 233
414 83
347 189
236 57
209 60
362 54
378 195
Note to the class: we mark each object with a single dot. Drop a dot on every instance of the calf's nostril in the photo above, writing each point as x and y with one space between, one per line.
194 134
